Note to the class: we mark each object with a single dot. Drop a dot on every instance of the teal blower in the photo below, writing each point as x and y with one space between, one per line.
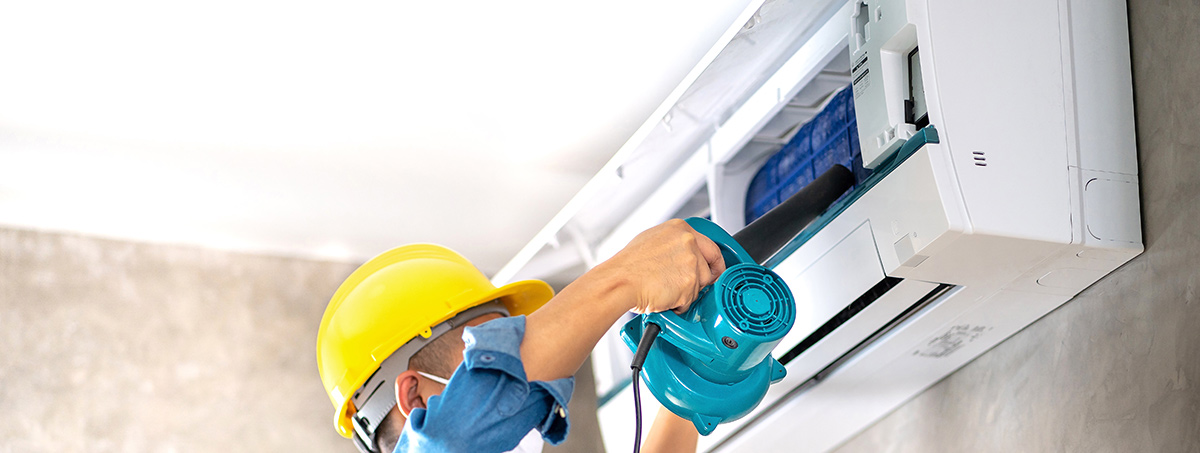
713 364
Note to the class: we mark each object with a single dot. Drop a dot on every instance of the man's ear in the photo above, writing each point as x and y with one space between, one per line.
408 396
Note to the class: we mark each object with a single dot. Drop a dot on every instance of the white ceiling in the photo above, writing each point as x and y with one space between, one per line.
327 129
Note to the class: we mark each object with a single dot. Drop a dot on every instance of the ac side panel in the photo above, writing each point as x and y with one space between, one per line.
1110 210
1103 86
999 82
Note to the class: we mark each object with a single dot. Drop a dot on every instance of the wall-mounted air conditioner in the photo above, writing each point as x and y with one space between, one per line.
999 180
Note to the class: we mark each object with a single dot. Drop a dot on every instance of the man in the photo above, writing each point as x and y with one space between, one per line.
419 349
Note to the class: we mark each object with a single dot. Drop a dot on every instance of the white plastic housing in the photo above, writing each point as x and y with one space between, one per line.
1029 197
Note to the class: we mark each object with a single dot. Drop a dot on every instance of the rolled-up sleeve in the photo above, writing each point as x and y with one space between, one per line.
489 404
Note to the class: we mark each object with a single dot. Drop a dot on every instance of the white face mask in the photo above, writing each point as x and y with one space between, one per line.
532 443
439 380
433 378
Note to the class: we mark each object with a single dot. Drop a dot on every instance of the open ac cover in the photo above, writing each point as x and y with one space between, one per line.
999 142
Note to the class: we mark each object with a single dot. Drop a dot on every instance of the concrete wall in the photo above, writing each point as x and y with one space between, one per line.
1117 369
117 346
114 346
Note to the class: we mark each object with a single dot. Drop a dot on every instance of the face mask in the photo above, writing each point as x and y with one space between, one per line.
439 380
532 443
433 378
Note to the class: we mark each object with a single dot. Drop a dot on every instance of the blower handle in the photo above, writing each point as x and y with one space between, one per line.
769 233
731 250
683 334
686 334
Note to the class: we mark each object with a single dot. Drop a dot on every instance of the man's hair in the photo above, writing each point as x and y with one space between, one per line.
439 357
388 432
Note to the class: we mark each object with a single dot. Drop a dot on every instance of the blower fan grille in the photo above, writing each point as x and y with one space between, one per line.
756 301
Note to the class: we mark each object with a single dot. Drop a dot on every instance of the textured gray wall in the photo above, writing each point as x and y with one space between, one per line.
1117 369
114 346
117 346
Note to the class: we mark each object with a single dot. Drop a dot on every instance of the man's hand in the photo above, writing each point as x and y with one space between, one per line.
670 263
662 269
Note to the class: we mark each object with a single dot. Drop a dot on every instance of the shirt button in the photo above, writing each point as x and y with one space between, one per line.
486 358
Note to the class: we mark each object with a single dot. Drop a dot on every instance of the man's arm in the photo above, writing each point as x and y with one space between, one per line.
662 269
671 434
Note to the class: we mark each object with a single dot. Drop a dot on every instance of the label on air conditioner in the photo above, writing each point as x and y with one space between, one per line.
862 76
952 340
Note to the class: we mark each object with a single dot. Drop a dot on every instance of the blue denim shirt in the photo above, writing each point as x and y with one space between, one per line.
489 405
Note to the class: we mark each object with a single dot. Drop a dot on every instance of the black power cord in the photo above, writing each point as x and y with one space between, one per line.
639 357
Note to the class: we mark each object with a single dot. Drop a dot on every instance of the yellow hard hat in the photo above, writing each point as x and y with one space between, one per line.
393 298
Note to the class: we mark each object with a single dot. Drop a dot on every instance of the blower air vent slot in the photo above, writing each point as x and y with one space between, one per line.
755 302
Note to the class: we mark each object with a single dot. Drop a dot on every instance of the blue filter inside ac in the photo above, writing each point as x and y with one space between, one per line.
830 138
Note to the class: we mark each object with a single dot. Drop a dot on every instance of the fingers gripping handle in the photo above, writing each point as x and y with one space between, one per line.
730 249
687 334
